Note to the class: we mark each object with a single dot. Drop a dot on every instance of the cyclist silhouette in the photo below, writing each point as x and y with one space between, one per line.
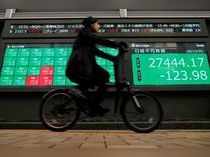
82 67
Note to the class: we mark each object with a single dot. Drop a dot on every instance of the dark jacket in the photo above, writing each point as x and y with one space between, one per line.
82 61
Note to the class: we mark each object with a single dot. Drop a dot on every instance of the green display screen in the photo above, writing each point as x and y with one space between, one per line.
170 64
42 64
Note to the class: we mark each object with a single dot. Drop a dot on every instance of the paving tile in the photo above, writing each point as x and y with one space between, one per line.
104 139
133 146
93 145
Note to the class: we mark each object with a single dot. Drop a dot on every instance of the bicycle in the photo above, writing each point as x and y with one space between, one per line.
61 108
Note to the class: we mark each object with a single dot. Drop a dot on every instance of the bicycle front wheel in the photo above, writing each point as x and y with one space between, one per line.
142 113
59 111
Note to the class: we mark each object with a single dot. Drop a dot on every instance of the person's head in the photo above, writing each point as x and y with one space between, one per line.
91 23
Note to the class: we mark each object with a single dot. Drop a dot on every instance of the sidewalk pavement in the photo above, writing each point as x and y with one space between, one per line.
104 143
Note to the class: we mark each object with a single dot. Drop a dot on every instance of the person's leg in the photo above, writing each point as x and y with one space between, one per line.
100 79
84 86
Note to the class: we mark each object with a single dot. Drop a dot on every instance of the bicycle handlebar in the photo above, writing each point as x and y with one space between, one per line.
123 47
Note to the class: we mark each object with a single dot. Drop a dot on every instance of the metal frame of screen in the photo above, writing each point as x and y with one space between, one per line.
204 32
128 68
166 87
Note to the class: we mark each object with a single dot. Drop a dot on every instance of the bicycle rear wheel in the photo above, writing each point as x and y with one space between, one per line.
142 114
59 111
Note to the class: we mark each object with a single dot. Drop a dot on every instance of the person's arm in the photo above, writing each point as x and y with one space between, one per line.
104 55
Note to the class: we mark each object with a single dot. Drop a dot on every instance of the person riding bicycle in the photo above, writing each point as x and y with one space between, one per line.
82 67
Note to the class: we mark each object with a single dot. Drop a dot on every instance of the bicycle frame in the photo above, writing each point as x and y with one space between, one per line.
121 82
123 89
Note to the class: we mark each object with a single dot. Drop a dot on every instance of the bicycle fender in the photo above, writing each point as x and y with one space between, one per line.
49 93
